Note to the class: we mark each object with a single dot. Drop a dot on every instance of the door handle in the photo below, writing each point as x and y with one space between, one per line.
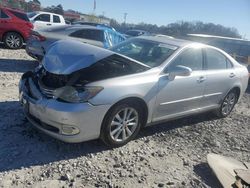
231 75
201 79
48 24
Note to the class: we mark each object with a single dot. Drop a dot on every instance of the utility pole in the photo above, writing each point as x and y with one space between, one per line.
125 17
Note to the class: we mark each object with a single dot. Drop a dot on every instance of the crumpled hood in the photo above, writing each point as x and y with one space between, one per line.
66 57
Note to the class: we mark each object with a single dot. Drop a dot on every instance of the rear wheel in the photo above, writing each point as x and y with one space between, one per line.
13 40
121 124
227 104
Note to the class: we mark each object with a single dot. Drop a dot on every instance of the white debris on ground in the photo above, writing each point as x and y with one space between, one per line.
172 154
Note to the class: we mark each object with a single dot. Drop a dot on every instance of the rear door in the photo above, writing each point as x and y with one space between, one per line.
220 76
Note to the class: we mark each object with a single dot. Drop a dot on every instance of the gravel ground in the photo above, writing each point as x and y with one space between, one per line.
172 154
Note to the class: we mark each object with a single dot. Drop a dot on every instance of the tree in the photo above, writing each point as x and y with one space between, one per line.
55 9
180 28
37 1
14 4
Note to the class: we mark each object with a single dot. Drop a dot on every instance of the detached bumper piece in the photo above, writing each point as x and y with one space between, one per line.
230 172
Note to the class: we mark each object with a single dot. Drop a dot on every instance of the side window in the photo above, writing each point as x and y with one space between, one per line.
216 61
91 34
3 15
56 19
191 58
43 17
229 64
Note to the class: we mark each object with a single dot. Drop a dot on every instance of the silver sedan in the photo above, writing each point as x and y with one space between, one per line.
82 92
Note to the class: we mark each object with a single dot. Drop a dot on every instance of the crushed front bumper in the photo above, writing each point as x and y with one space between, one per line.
65 121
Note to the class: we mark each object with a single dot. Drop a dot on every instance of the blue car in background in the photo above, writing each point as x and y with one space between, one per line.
40 41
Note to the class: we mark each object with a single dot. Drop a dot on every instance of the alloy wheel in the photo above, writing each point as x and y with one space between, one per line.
228 103
124 124
13 41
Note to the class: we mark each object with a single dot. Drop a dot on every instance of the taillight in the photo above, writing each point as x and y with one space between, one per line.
30 25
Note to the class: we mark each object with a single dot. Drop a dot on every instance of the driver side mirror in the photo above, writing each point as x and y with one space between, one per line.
179 71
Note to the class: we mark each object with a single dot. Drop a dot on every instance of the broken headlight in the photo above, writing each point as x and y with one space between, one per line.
76 95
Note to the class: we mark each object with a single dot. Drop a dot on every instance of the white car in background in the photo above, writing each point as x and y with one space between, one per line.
45 19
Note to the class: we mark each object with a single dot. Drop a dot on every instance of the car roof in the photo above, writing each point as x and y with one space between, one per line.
71 27
168 40
99 27
84 27
42 12
138 30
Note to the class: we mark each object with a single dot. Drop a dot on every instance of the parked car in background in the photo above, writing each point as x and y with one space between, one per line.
15 28
45 19
135 33
248 68
82 92
68 22
40 41
92 24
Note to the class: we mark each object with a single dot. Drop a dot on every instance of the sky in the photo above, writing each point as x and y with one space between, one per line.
229 13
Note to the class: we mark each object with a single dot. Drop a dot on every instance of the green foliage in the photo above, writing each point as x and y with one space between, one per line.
14 4
36 1
55 9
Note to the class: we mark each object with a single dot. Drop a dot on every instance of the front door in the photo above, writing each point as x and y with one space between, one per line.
42 21
182 95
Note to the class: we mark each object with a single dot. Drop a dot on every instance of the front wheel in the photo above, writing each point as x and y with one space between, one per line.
121 124
227 104
13 40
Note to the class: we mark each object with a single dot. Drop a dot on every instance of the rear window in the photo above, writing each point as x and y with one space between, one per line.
20 15
3 14
91 34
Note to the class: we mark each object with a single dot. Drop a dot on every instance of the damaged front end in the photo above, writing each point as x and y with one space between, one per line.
60 112
55 97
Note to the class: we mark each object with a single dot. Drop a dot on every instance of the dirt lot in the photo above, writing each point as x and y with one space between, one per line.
172 154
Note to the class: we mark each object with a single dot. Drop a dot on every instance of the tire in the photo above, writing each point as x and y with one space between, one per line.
115 131
227 104
13 40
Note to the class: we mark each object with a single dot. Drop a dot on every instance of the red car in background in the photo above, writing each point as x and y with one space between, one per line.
15 28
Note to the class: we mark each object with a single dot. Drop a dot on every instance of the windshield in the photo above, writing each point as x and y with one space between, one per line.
150 53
